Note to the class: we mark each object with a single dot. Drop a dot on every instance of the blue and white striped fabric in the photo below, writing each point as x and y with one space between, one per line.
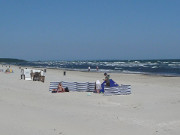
74 86
118 90
82 86
91 87
53 85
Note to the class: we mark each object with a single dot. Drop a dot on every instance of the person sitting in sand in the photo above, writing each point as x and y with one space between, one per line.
107 79
59 89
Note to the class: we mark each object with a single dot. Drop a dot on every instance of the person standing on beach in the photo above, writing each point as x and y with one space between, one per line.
89 68
98 86
97 68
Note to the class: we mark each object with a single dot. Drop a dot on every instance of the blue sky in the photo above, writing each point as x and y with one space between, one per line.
89 29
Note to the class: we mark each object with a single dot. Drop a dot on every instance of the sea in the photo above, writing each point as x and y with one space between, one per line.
150 67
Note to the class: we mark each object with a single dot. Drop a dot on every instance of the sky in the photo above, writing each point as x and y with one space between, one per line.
89 29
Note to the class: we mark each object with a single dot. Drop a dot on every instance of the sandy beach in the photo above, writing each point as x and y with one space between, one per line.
28 108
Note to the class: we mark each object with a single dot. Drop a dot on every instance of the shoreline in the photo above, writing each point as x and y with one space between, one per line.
166 67
102 71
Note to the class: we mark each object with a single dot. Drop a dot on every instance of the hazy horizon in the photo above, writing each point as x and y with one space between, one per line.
97 59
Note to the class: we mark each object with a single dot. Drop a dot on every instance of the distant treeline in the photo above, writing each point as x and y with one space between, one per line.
10 60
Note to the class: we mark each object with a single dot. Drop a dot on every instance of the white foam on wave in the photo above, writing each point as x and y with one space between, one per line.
154 67
176 62
115 66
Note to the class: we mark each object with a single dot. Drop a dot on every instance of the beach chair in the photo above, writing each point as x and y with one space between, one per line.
26 74
36 76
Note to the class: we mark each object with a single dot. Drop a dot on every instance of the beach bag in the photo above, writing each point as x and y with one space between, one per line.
66 89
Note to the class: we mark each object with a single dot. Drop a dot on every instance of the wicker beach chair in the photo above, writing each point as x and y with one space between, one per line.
36 76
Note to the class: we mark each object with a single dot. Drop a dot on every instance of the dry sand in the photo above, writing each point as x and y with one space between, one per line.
28 108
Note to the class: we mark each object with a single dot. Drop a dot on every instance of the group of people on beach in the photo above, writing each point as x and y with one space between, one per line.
97 85
89 68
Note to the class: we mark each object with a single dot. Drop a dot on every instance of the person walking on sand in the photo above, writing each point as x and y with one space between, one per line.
89 68
97 68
